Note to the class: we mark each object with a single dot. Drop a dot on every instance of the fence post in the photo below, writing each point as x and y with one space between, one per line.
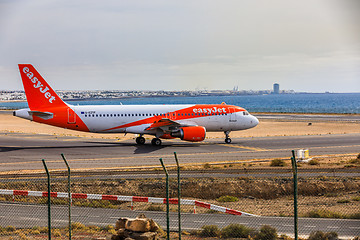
179 194
294 167
167 200
69 193
49 199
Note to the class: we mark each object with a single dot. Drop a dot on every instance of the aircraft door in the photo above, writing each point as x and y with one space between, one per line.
233 117
71 116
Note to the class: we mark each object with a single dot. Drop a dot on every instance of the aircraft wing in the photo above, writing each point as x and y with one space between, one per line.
165 122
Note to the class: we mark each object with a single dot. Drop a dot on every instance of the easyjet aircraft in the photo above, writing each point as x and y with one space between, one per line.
187 122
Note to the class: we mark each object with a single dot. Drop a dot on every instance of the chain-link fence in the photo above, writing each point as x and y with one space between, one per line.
214 196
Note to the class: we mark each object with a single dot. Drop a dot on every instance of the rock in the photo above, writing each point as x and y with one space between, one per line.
141 215
121 232
140 228
138 225
116 237
143 236
153 226
120 223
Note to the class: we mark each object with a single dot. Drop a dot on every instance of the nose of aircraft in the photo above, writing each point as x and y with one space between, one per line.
254 121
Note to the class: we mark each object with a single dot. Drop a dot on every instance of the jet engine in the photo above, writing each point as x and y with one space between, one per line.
191 134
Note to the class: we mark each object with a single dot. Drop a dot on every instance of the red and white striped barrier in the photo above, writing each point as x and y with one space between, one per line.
124 199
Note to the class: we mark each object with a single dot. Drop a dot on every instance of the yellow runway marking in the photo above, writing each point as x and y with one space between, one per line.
245 147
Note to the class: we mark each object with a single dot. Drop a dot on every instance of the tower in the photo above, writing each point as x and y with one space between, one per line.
276 88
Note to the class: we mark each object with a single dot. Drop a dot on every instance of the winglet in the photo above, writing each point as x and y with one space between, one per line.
38 92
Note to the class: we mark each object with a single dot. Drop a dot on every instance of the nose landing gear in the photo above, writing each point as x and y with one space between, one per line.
227 138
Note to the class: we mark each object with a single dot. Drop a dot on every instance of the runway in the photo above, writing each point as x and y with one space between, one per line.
25 151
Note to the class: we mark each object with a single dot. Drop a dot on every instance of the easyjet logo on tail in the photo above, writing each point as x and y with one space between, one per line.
39 85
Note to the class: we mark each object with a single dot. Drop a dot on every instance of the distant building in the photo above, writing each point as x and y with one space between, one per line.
276 88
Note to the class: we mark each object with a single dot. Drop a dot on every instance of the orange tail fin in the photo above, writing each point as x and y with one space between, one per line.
38 92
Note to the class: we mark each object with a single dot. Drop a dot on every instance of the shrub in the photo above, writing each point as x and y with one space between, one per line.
284 237
77 226
236 231
56 233
43 229
35 232
207 165
210 211
319 235
355 160
267 232
23 236
227 198
154 208
343 201
10 229
314 162
357 198
320 213
277 163
354 215
108 227
210 231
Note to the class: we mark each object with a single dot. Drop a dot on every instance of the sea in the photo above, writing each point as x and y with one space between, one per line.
344 103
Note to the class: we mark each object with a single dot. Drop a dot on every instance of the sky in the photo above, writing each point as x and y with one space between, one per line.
308 45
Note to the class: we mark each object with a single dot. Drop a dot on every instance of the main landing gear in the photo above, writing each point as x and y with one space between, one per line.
140 140
227 138
156 142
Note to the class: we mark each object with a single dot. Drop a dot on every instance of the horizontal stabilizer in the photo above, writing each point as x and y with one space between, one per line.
43 115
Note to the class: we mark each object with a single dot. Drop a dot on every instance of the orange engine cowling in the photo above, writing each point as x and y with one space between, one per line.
191 134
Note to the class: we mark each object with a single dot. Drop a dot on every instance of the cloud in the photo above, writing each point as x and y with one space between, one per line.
182 45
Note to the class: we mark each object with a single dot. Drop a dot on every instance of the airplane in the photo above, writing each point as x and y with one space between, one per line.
188 122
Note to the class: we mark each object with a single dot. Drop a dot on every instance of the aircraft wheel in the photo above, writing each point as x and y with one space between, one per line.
227 140
156 142
140 140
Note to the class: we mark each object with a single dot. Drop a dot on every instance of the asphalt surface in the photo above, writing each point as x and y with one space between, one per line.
24 216
25 151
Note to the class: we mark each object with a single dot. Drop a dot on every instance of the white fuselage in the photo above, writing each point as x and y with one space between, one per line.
100 118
